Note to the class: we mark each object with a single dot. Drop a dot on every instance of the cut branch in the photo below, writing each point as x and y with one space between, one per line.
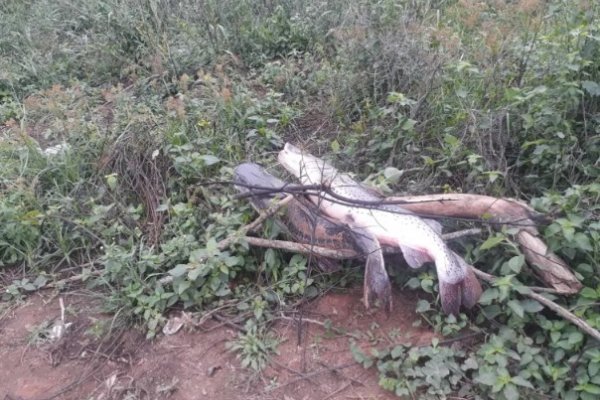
228 241
531 291
303 248
563 312
306 248
551 269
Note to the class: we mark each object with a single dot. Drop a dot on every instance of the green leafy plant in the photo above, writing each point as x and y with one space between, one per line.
254 346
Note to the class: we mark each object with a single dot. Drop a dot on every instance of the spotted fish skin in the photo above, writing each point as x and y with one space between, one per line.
391 225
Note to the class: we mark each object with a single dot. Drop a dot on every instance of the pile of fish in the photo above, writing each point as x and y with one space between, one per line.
348 215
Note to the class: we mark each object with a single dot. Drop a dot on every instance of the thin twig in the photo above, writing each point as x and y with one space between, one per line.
341 254
303 248
228 241
566 314
74 278
563 312
341 389
309 320
312 374
333 197
459 234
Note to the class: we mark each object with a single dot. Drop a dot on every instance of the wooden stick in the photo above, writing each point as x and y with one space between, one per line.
303 248
228 241
551 269
458 234
341 254
563 312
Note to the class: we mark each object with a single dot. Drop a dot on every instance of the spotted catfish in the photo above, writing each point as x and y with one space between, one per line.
419 239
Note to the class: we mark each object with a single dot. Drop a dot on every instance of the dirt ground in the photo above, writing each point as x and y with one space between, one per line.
193 363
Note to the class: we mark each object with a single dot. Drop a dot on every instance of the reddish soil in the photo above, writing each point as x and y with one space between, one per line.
194 363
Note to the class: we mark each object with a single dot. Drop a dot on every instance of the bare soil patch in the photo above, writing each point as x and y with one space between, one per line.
95 360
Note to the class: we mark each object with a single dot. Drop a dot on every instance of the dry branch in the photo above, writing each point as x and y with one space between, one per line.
229 240
303 248
342 254
551 269
563 312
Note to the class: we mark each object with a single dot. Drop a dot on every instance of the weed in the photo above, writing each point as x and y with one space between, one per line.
254 346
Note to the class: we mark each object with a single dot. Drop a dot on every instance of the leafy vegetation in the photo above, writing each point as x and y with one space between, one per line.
114 115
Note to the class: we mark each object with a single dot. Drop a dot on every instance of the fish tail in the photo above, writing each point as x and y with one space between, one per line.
471 289
450 295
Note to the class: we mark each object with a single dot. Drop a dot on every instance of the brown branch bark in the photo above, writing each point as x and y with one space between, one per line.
551 269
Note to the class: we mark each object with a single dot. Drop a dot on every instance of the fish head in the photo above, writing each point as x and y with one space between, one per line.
251 174
252 179
309 169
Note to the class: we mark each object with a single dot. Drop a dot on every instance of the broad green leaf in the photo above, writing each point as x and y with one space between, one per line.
516 308
413 283
392 174
510 392
583 242
531 306
593 368
422 306
489 295
555 336
197 255
519 380
179 270
492 242
211 246
487 378
470 363
589 388
593 88
209 159
183 286
29 287
200 270
575 337
40 281
516 263
335 146
435 371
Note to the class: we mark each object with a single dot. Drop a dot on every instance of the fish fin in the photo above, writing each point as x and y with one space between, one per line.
471 289
450 295
377 283
415 258
433 224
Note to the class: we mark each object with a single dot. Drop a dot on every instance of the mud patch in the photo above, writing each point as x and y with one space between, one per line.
86 363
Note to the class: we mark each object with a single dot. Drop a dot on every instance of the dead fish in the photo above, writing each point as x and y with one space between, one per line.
419 240
306 224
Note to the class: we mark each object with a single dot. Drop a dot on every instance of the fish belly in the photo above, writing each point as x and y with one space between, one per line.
389 228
